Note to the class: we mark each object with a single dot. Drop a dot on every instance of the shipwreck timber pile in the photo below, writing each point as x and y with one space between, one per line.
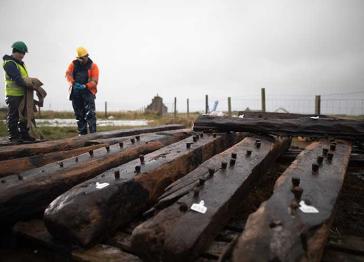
267 187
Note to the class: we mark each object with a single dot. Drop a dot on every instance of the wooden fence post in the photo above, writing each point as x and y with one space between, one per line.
188 107
175 107
105 109
229 106
318 105
263 99
206 104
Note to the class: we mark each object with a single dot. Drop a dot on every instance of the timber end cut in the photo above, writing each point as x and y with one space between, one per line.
120 194
293 224
180 232
29 193
322 127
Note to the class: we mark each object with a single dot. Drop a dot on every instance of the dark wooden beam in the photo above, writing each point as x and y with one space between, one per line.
178 233
275 115
281 229
15 151
337 128
30 192
129 190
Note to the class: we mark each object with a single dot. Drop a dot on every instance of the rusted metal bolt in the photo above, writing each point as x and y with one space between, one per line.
117 174
183 207
232 162
223 165
330 156
211 172
333 146
233 155
132 140
295 181
201 181
137 169
214 135
60 164
137 138
141 157
107 148
76 159
297 191
188 145
20 177
315 167
258 143
248 153
196 191
320 159
325 151
121 144
91 152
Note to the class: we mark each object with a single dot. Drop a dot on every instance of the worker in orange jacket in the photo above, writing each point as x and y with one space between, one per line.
83 76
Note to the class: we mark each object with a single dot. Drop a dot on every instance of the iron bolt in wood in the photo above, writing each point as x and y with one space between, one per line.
91 152
297 191
315 167
121 144
223 165
295 181
141 157
330 156
132 140
248 153
232 162
325 151
332 146
233 155
117 174
320 159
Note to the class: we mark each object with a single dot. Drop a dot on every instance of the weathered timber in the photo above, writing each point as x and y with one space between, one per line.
179 234
30 192
338 128
15 151
127 195
279 230
100 253
276 115
18 165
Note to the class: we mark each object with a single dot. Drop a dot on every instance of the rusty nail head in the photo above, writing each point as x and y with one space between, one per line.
320 159
315 167
330 156
297 191
233 155
232 162
248 153
132 140
223 165
91 152
333 146
137 169
295 181
325 151
117 174
183 207
121 144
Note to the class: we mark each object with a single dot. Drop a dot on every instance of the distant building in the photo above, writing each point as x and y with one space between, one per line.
157 106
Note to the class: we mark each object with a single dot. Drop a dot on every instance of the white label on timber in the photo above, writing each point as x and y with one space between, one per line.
200 207
101 185
315 117
307 209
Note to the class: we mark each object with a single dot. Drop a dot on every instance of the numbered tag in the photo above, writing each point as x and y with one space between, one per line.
307 209
101 185
200 207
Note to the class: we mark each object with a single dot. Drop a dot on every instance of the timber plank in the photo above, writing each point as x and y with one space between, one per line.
323 127
105 253
36 188
15 151
177 233
128 196
278 230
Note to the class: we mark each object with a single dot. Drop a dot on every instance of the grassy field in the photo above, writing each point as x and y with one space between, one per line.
63 132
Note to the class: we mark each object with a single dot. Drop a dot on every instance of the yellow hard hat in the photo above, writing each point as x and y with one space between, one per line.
81 51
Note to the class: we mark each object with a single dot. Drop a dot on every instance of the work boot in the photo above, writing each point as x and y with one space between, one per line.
27 138
15 140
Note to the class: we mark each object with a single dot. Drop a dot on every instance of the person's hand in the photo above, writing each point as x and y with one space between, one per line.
78 86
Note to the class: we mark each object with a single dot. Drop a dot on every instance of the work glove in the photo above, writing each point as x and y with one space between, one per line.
78 86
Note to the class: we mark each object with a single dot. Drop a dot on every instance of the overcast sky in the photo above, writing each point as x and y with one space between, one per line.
191 48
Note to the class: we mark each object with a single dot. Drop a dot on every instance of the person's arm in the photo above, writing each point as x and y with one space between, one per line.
69 74
94 77
13 72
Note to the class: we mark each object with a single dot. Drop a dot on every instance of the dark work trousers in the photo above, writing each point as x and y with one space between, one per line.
16 129
83 102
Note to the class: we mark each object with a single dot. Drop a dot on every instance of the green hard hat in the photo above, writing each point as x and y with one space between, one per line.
20 46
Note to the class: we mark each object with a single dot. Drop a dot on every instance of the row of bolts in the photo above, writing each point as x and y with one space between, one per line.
296 189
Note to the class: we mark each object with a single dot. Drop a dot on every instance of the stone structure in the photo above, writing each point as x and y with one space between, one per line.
157 106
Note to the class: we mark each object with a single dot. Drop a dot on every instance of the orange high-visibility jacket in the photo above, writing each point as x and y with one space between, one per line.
93 77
